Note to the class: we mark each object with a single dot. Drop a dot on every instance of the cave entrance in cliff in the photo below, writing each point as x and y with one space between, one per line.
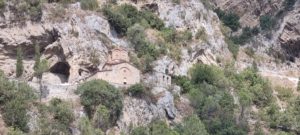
61 69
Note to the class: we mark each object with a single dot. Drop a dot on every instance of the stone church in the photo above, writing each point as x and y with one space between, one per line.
118 70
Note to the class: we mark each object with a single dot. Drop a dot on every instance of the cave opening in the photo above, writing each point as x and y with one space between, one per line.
62 69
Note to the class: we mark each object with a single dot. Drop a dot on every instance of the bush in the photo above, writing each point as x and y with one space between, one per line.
289 4
259 89
55 118
152 20
14 103
246 35
61 112
169 34
101 118
231 20
183 82
136 90
232 47
202 35
98 92
86 128
124 16
284 93
201 73
267 22
191 125
89 4
2 4
155 128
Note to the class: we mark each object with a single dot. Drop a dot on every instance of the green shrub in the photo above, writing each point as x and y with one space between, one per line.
191 125
183 82
184 36
169 34
267 22
203 73
152 20
136 90
124 16
55 118
231 20
250 52
140 131
15 99
61 112
202 35
176 1
101 118
146 51
98 92
161 128
89 4
2 4
259 89
284 93
232 47
246 35
86 128
289 4
154 128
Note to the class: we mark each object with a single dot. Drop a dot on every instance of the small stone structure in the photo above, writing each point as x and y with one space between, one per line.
118 70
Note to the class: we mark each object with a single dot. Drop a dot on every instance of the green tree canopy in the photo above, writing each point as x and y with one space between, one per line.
98 92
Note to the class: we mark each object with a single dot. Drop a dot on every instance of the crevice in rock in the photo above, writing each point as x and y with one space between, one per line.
62 69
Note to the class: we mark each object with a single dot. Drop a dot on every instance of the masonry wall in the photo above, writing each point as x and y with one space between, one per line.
124 74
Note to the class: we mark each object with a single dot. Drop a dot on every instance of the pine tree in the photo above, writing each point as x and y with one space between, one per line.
19 64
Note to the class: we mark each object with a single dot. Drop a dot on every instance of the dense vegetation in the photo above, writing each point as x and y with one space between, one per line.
267 22
209 92
230 19
15 100
191 125
124 16
55 118
102 102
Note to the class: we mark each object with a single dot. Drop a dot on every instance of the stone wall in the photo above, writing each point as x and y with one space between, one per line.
123 73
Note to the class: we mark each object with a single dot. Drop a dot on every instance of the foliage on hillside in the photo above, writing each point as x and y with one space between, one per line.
209 91
98 95
15 100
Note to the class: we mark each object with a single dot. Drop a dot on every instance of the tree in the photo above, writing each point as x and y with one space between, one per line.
98 92
136 90
40 67
61 112
191 125
101 118
86 127
161 128
15 99
19 65
267 22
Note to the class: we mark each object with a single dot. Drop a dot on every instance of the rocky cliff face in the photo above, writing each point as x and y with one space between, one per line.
70 39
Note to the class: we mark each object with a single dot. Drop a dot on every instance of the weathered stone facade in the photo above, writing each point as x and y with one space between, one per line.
117 70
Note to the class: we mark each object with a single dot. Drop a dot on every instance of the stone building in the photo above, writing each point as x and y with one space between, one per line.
118 70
